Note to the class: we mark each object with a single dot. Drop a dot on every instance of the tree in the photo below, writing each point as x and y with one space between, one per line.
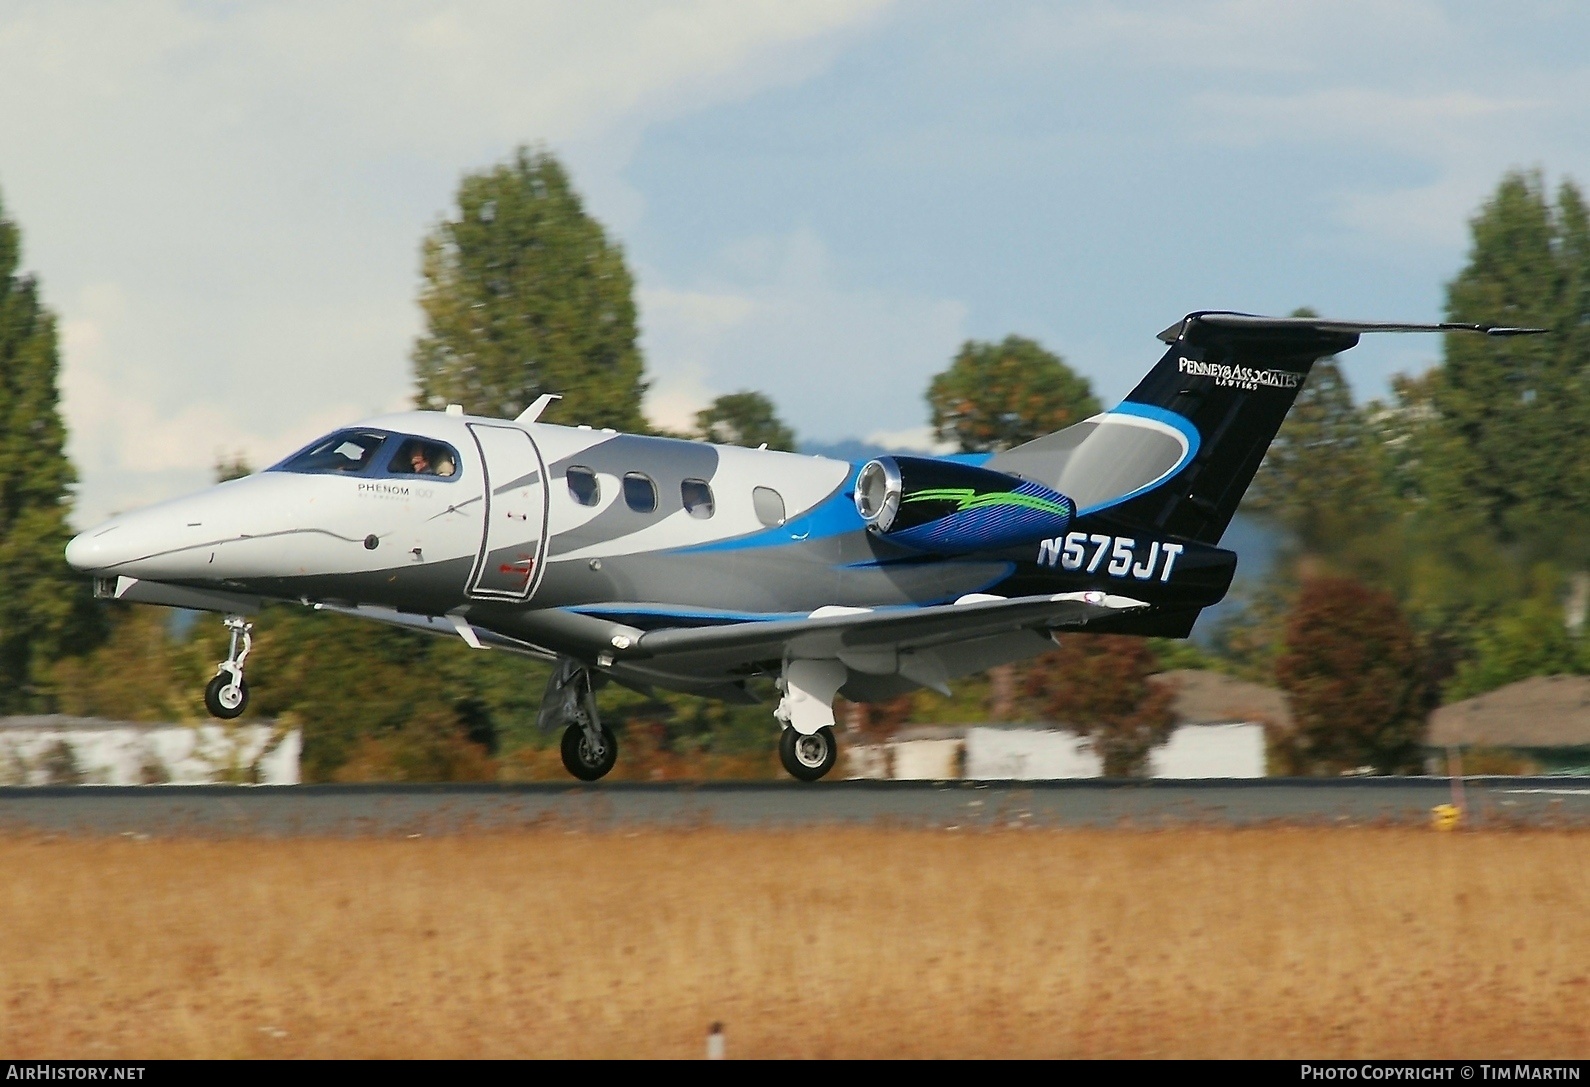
1528 638
1322 478
1098 685
230 466
1508 439
1355 675
525 295
744 418
997 395
45 608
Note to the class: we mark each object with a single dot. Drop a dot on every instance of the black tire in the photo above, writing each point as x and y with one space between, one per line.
577 758
217 703
807 758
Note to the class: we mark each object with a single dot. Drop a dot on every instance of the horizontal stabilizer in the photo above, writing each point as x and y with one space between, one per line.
1254 323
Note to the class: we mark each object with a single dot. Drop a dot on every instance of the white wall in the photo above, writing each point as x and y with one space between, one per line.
925 760
1031 754
1027 754
180 754
1210 751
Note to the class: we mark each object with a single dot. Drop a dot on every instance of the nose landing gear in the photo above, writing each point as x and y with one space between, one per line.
226 696
589 747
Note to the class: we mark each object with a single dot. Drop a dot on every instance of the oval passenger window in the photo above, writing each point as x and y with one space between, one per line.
697 495
584 487
640 493
769 506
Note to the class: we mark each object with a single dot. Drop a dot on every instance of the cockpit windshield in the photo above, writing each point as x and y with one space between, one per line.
344 451
359 452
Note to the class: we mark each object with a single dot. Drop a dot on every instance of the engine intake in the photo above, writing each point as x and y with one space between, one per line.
952 509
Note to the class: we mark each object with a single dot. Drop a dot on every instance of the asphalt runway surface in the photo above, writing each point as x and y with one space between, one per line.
419 809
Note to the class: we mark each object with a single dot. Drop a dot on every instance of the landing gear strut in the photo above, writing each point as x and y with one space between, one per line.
226 696
589 747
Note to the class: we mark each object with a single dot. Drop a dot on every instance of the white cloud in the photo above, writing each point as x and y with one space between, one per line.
254 181
850 360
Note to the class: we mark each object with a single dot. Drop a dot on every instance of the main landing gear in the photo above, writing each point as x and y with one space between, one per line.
807 758
589 747
226 696
807 747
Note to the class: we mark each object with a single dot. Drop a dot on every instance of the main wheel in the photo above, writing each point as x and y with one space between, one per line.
581 761
226 699
807 757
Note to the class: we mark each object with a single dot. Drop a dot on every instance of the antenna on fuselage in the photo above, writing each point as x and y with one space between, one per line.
533 412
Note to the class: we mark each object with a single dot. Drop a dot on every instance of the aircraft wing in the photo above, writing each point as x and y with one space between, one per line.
714 655
827 631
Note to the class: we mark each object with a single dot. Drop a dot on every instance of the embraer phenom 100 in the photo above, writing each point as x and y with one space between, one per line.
658 562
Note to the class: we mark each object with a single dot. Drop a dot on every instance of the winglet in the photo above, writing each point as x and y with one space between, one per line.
533 412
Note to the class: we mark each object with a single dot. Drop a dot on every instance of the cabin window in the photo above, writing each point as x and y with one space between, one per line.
640 493
349 451
769 506
584 487
697 495
418 457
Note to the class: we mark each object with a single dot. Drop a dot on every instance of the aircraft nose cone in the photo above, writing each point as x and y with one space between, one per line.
88 550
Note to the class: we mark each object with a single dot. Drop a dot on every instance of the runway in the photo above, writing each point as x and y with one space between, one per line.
435 809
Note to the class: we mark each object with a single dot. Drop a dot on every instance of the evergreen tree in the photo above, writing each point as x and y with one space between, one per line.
1323 478
45 609
997 395
525 295
1527 638
1509 439
744 418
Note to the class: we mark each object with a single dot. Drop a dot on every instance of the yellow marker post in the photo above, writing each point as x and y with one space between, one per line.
1446 816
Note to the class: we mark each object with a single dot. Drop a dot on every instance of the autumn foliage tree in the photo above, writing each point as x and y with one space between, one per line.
997 395
1098 686
994 396
1354 672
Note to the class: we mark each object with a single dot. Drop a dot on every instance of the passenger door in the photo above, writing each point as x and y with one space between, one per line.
509 564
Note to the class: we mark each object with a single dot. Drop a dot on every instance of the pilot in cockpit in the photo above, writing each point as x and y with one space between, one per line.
425 459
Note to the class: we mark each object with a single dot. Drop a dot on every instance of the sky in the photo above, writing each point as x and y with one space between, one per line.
820 200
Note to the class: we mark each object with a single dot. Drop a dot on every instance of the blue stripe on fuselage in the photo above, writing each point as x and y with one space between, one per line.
833 516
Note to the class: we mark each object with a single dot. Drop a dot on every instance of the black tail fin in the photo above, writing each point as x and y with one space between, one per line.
1177 454
1234 384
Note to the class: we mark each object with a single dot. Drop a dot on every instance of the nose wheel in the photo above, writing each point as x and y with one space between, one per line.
589 747
226 696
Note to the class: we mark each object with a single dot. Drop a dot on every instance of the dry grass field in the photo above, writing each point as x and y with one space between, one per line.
844 943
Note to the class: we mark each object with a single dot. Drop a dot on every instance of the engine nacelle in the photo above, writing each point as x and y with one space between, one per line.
953 509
